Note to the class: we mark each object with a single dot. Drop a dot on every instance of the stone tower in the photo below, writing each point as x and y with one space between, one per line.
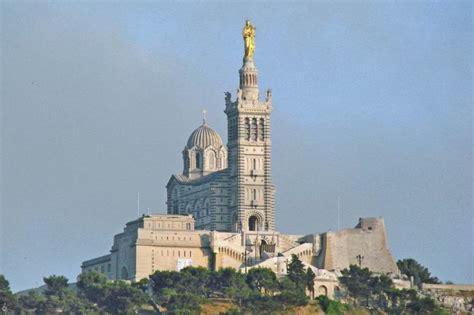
252 204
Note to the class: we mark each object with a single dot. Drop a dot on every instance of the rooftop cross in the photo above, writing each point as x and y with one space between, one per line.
204 114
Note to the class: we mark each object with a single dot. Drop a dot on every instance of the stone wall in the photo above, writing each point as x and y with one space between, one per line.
367 241
455 297
100 264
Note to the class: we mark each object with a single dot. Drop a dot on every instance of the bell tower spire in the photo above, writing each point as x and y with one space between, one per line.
249 148
248 73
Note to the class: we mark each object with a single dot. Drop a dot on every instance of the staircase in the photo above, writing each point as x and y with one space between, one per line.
286 242
302 251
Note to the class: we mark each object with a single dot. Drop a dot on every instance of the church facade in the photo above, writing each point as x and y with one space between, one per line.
230 189
221 207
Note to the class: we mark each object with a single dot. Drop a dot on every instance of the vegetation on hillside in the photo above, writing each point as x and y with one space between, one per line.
257 291
95 294
377 293
195 288
420 274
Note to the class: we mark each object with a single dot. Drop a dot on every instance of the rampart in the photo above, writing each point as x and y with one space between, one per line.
364 245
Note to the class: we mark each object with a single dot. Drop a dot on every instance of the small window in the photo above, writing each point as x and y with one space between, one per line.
262 130
247 129
198 160
254 129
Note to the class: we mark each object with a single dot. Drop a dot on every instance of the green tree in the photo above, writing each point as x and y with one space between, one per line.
166 284
55 285
239 290
7 299
223 279
262 280
184 304
196 280
31 301
291 294
115 297
91 285
310 276
56 295
122 298
380 286
424 305
420 274
296 273
58 298
357 282
400 299
323 301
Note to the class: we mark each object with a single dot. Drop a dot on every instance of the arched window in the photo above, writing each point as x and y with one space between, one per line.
322 290
124 273
206 207
254 165
175 201
254 129
253 223
198 160
189 208
186 162
247 129
254 194
261 129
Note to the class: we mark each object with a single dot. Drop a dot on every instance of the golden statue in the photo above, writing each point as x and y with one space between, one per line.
249 40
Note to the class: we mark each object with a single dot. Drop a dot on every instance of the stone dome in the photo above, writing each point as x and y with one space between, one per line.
203 137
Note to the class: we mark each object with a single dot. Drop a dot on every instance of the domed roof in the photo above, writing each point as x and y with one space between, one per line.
203 137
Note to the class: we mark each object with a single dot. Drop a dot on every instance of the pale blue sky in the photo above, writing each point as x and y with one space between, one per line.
372 103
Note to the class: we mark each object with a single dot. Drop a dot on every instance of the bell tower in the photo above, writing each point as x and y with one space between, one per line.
252 203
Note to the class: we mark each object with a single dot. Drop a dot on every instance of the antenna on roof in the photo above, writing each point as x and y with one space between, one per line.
138 204
338 213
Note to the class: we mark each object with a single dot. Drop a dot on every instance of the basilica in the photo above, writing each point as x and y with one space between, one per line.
221 207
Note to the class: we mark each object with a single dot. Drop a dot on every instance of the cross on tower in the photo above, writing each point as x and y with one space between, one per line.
204 119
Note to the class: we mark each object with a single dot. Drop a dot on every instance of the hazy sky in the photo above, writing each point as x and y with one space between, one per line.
372 103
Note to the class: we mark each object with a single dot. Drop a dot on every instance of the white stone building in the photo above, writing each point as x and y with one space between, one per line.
221 210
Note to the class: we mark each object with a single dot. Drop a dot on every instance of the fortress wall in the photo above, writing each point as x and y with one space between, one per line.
154 258
447 287
161 250
367 239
